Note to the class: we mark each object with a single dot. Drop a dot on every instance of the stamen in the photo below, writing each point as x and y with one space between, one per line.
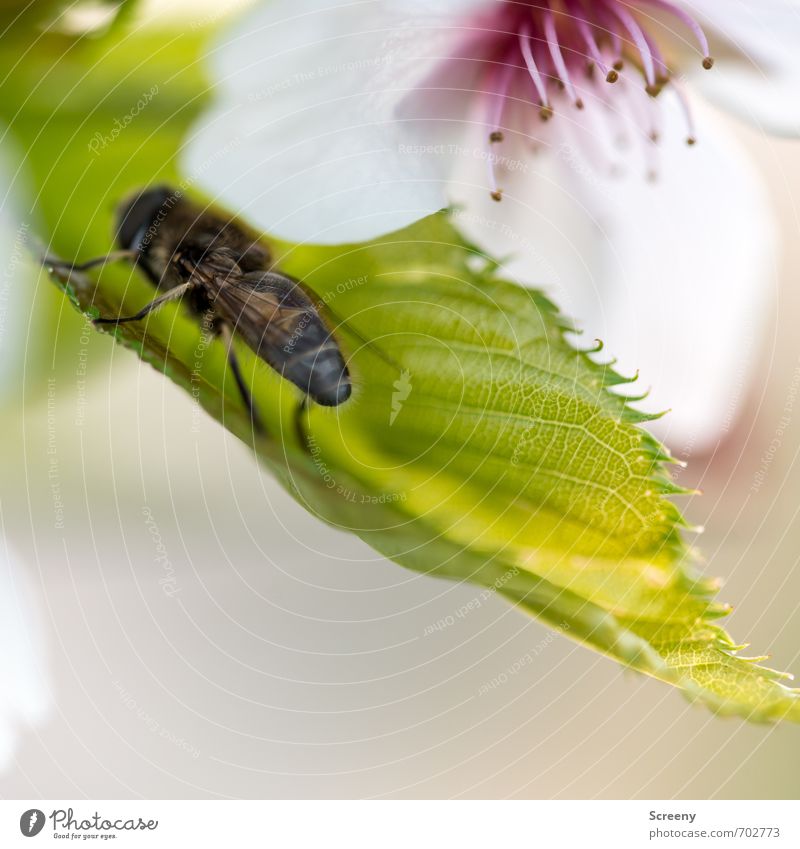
495 192
653 114
691 138
587 140
499 100
610 115
496 135
594 51
545 111
609 27
640 113
638 37
558 58
662 71
692 24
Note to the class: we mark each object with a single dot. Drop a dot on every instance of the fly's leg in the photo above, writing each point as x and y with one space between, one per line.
171 295
63 267
224 331
299 428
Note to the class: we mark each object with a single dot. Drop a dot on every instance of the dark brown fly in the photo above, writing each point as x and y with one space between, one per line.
222 270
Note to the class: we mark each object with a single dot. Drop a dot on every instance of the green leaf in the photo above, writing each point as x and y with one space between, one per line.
501 457
480 445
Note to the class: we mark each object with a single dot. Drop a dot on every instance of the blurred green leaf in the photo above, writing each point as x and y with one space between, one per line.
480 446
62 102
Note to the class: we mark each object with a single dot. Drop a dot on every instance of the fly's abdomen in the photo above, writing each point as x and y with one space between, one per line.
281 324
313 362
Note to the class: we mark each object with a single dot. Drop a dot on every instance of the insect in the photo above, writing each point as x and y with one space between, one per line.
224 271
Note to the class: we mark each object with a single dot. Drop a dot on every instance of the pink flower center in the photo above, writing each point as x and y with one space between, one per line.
550 53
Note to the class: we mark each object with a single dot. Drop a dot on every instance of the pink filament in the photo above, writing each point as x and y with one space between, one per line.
500 98
558 57
687 19
533 70
691 138
591 44
638 38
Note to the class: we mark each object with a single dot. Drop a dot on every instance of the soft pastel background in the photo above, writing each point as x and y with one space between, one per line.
184 629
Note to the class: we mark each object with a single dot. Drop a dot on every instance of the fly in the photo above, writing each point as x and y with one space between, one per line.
223 271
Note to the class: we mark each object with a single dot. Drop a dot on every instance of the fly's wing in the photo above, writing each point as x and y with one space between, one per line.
280 323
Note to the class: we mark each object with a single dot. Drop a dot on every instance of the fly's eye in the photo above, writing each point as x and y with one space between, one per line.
138 214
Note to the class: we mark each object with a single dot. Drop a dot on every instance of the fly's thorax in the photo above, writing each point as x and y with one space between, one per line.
163 226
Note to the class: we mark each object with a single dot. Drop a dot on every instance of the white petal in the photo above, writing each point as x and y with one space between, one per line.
24 697
454 9
694 265
348 182
762 84
279 45
313 134
674 276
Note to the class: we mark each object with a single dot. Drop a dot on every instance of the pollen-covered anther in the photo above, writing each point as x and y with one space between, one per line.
612 76
497 195
708 63
496 137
